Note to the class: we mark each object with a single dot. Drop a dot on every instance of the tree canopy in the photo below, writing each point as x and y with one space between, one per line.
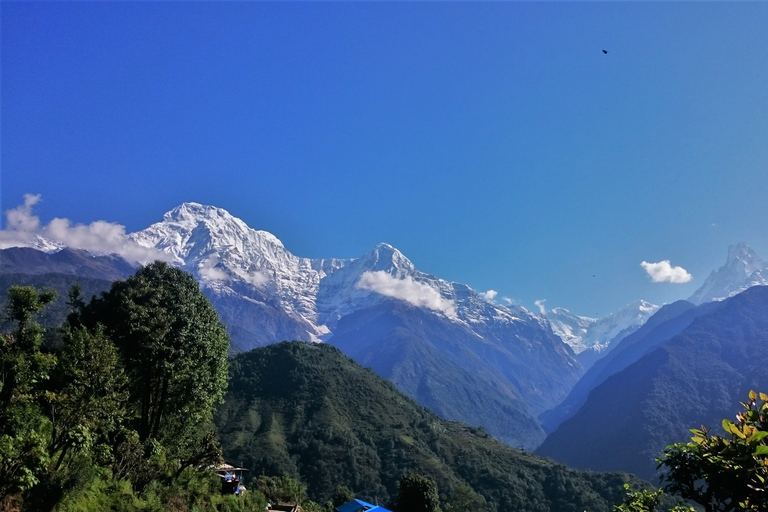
124 401
417 493
174 348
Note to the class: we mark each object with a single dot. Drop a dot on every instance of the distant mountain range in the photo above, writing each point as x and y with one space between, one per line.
687 366
467 357
446 345
592 338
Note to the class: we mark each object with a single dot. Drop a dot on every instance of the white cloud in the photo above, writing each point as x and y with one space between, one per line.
21 218
664 272
540 304
489 295
101 237
255 278
407 289
207 270
508 300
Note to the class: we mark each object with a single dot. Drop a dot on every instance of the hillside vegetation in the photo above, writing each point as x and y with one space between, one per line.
309 411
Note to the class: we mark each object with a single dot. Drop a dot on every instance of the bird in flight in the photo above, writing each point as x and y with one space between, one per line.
605 51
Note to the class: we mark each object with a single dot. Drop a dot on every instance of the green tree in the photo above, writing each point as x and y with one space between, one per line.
88 406
465 499
646 501
724 473
417 493
342 495
23 371
174 348
23 367
282 489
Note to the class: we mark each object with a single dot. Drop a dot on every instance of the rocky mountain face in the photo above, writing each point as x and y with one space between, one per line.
691 367
743 269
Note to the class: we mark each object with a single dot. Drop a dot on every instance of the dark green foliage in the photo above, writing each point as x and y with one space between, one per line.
641 501
191 491
647 501
311 412
68 420
89 405
281 489
342 495
465 499
174 348
724 473
23 372
417 493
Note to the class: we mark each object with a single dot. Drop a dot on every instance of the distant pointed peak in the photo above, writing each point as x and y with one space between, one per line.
384 255
191 210
744 253
639 304
385 248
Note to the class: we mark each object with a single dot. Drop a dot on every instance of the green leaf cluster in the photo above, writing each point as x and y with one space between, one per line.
724 473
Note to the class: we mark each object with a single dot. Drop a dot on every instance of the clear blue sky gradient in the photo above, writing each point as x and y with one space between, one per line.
495 144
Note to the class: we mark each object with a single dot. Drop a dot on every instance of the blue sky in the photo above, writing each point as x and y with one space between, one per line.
495 144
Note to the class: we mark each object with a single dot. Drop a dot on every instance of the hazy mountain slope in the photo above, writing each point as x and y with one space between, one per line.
309 410
58 271
428 359
667 322
592 338
742 269
23 260
53 316
696 377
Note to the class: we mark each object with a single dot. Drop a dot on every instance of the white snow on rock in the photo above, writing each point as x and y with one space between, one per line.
585 333
743 269
230 258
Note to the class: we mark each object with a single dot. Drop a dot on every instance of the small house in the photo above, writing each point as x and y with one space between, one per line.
231 476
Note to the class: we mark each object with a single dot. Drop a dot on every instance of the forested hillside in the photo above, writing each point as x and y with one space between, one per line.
309 411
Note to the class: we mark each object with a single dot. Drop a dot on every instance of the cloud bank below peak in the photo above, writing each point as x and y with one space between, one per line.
23 228
664 272
407 289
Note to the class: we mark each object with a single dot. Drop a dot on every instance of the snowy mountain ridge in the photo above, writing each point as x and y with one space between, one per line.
230 258
743 269
584 333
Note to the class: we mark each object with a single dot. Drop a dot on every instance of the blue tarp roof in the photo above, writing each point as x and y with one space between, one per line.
360 505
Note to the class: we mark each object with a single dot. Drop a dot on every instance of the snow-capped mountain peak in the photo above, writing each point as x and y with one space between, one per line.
232 259
386 258
191 232
743 269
